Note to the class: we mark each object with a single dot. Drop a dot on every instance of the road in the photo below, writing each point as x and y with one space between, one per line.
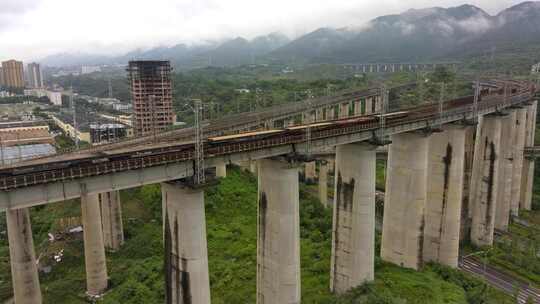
500 280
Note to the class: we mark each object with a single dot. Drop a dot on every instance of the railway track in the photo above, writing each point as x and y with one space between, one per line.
236 122
501 281
79 165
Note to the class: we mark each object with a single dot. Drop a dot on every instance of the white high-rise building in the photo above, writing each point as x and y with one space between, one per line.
35 77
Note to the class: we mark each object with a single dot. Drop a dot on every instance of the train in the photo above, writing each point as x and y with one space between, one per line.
84 159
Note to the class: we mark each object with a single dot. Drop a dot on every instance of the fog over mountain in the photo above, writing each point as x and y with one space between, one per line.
415 35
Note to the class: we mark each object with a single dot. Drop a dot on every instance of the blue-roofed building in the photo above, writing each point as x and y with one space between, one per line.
13 154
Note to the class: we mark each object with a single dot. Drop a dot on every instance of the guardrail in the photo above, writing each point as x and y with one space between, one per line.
394 126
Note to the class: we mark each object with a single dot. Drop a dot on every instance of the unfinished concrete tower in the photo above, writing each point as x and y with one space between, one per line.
151 92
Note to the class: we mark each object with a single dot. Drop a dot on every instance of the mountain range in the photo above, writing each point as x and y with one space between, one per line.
415 35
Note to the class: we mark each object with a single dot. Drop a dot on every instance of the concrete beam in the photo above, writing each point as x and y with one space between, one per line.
444 196
487 168
111 219
353 233
405 200
186 254
504 194
24 273
94 249
278 242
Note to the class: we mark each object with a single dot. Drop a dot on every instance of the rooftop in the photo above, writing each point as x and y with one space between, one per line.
13 154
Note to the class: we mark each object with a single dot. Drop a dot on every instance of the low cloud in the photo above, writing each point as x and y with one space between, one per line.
11 10
477 24
30 29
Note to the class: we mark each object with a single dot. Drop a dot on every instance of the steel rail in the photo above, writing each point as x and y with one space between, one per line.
426 114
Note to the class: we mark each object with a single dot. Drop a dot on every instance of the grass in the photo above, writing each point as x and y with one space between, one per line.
136 271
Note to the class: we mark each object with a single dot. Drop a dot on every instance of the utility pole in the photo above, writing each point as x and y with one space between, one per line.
441 102
257 105
384 109
199 176
476 98
308 129
110 89
1 150
74 110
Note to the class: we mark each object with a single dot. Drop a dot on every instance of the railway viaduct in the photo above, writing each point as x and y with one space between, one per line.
464 165
396 67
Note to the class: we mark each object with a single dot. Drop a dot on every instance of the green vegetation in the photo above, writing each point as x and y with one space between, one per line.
136 270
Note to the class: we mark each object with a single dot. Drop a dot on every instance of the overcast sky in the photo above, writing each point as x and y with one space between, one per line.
31 29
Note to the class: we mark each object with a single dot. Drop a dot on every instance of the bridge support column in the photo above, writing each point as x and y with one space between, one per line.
186 258
444 196
330 113
94 248
353 233
344 110
518 144
310 172
111 219
278 243
253 166
319 115
378 104
528 163
24 273
357 107
369 105
465 231
323 183
487 167
221 170
405 200
243 164
504 191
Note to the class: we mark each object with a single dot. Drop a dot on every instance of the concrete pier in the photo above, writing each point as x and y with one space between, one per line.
221 170
278 242
94 248
24 273
527 176
186 258
405 200
369 105
358 107
504 191
111 220
518 144
353 233
323 183
310 172
444 196
330 113
253 167
344 110
485 196
476 170
465 230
